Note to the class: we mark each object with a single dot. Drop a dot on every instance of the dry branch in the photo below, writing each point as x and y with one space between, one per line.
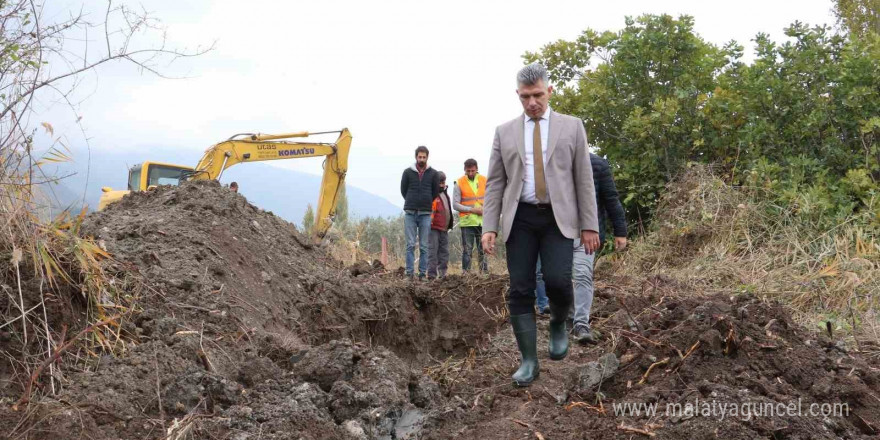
25 397
572 405
521 423
655 364
691 350
636 430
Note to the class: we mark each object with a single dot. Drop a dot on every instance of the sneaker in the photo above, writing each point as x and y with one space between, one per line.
543 310
583 335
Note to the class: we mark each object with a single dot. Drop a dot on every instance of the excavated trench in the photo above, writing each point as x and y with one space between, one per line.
245 331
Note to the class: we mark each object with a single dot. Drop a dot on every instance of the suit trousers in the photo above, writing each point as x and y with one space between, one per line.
534 232
582 274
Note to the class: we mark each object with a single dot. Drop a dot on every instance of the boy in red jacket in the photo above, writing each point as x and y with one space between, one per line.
441 223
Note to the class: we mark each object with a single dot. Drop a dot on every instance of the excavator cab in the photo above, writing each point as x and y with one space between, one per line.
145 176
156 174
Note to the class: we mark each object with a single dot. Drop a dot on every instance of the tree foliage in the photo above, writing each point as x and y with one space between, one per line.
342 206
860 18
308 221
801 121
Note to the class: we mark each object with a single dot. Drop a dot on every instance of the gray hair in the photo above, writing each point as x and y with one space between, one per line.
531 74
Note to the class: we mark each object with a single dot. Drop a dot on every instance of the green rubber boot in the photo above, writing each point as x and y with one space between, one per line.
558 335
526 331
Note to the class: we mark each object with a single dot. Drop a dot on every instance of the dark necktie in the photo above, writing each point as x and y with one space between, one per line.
540 184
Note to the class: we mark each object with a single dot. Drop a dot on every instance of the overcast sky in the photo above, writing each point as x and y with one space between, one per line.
397 73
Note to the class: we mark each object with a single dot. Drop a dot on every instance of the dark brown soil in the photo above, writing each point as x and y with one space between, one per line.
749 354
245 331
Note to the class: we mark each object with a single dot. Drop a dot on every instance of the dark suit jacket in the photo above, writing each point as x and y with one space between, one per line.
607 199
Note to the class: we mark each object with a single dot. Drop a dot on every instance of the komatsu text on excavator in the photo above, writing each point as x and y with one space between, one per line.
250 148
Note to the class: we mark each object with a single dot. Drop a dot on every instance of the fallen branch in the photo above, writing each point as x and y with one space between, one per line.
20 316
636 335
25 397
691 350
521 423
655 364
632 321
539 436
586 405
636 430
159 389
731 343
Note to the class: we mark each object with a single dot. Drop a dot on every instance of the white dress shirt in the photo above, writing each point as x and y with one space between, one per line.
528 190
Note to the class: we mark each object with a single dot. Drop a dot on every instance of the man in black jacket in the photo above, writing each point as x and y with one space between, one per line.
419 186
608 203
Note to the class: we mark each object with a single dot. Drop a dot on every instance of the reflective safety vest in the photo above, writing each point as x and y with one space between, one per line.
468 197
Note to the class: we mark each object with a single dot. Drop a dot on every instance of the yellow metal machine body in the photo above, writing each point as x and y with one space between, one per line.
251 148
143 176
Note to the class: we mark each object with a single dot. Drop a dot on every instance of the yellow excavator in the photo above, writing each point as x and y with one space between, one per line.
248 147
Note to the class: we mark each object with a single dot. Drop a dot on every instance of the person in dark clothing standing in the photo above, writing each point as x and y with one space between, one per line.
608 203
419 186
441 223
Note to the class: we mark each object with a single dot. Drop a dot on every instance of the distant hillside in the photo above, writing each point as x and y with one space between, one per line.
284 192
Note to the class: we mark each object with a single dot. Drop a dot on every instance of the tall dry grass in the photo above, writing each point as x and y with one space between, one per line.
718 237
52 279
54 283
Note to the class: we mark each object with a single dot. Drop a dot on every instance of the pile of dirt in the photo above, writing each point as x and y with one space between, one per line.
244 330
245 327
210 254
711 365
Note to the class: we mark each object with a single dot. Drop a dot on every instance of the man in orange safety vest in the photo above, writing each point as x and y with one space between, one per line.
468 201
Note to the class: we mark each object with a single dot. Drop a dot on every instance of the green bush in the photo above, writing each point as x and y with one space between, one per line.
799 123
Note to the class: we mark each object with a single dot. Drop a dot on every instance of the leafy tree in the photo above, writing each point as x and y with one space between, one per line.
801 119
641 101
342 206
308 221
858 17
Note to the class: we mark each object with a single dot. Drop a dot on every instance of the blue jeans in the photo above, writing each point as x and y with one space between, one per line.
582 275
417 225
540 290
470 238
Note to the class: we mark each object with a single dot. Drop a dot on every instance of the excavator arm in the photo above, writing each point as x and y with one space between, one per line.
262 147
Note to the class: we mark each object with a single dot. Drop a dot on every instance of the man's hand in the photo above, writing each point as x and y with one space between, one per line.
590 240
619 243
488 242
477 210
